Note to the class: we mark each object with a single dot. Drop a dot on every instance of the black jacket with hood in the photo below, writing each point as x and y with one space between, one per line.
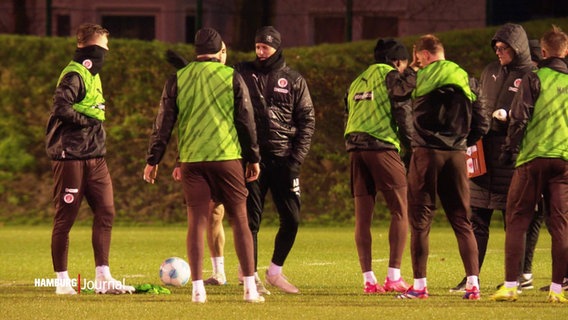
498 86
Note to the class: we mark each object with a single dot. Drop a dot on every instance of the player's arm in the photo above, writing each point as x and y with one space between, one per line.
244 120
521 111
162 128
71 89
304 120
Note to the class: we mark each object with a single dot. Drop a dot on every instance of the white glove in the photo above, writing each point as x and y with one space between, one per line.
500 114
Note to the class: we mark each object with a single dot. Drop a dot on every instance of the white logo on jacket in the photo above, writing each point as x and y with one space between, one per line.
295 186
282 83
516 85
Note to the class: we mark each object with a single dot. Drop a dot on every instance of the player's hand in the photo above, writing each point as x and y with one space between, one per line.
150 173
415 64
252 171
176 174
500 114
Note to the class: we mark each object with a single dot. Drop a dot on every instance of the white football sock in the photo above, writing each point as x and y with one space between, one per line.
250 289
369 277
472 281
64 283
103 273
198 291
420 284
274 269
218 264
198 286
62 275
393 274
556 287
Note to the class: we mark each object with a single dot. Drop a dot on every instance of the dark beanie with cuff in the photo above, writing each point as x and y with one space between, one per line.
536 52
207 41
389 49
269 36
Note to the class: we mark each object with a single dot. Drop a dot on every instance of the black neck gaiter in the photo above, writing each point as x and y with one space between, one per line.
91 57
274 62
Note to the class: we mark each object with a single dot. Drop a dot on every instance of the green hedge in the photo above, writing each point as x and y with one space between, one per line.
132 80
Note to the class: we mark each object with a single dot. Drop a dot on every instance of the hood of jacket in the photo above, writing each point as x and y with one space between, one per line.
515 36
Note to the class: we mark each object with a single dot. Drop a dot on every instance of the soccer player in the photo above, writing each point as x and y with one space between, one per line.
378 118
216 133
447 119
215 230
76 144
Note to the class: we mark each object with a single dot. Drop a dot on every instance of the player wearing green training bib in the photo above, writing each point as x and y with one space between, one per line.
202 137
218 151
538 132
76 144
447 119
379 125
92 105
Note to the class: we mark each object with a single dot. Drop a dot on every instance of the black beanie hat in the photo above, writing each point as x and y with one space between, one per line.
389 49
269 36
536 53
207 41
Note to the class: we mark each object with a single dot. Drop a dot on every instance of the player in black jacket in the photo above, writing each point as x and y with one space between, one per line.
285 123
499 82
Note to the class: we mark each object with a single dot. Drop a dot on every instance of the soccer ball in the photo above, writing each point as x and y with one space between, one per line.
175 271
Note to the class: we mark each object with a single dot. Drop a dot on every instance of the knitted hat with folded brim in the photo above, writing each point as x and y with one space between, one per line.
269 36
390 49
207 41
536 52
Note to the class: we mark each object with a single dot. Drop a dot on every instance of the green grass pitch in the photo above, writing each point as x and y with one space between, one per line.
323 264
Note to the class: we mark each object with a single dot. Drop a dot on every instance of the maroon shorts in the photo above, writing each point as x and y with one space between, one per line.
220 181
372 171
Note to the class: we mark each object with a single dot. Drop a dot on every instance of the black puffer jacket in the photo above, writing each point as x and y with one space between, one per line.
283 111
498 87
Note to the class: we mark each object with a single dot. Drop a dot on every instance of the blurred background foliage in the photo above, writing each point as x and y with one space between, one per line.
133 76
